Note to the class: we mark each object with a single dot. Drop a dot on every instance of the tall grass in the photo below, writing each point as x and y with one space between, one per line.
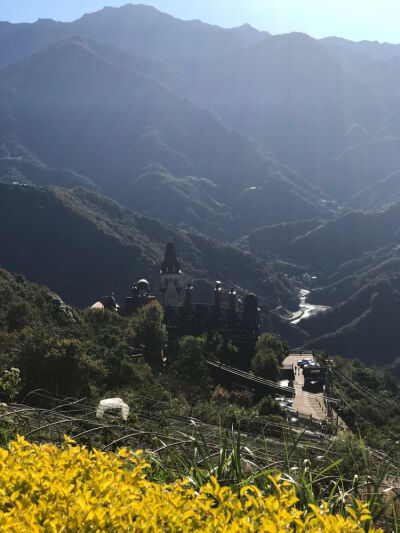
347 471
338 469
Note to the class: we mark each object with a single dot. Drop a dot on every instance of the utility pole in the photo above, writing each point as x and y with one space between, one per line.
329 364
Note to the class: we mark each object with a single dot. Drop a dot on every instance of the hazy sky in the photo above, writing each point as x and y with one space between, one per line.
353 19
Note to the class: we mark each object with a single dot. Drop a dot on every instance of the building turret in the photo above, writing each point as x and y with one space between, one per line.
143 287
170 265
171 287
140 296
189 295
251 314
218 294
232 300
135 296
109 302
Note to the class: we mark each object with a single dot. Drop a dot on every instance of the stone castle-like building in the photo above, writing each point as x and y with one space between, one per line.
235 321
171 287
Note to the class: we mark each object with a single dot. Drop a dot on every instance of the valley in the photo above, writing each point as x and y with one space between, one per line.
306 309
187 143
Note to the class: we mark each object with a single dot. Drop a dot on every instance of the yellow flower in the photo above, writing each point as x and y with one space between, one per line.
50 489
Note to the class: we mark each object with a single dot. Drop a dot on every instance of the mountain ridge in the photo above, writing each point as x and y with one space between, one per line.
139 123
113 247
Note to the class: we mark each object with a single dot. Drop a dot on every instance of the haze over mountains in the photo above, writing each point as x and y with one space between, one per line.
145 131
85 245
267 143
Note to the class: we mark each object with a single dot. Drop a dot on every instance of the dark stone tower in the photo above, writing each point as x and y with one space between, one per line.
171 288
232 301
251 315
170 265
218 294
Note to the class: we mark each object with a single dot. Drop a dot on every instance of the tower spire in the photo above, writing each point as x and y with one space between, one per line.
170 265
171 288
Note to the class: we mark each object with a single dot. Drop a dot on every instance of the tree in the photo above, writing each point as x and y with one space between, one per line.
265 365
56 364
271 343
268 406
10 383
218 348
148 330
270 353
190 369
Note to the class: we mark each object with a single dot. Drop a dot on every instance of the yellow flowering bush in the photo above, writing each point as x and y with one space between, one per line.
72 489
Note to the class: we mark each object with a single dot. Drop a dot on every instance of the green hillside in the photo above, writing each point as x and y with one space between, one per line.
120 122
83 245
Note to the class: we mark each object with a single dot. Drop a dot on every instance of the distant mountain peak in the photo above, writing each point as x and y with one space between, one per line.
245 27
126 9
132 7
249 30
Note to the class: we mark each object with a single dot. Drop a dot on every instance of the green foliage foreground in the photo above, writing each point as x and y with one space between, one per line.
69 488
88 354
72 352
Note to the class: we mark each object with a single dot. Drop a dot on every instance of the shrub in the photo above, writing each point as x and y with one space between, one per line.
244 398
268 406
73 489
265 365
220 395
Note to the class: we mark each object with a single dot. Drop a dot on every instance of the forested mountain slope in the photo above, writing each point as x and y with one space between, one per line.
365 326
293 95
326 108
84 245
345 238
76 106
